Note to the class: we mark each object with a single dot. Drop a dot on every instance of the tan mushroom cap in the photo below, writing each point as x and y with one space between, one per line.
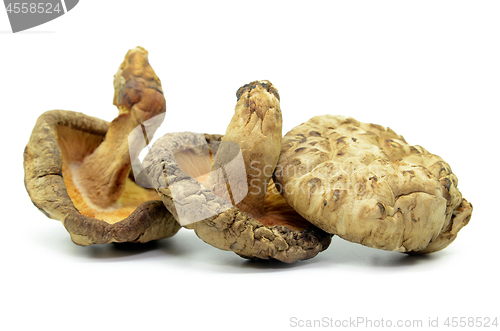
275 231
366 184
61 137
77 168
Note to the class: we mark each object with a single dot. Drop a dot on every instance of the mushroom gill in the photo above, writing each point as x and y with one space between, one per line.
275 212
279 212
75 146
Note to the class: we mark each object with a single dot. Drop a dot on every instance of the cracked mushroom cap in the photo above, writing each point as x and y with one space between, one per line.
366 184
222 189
77 167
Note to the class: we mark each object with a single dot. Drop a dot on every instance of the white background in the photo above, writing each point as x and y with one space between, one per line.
428 69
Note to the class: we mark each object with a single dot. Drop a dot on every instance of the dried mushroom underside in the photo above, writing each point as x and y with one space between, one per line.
222 189
60 138
366 184
77 167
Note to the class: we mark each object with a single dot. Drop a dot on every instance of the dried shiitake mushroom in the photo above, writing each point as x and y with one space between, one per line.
223 190
77 167
366 184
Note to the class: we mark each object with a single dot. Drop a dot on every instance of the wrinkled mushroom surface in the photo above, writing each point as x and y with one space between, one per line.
366 184
261 224
77 168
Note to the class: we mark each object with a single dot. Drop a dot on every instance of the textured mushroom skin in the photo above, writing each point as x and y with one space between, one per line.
366 184
234 230
45 185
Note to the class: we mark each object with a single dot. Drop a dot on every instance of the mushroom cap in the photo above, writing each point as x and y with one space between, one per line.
214 219
366 184
43 179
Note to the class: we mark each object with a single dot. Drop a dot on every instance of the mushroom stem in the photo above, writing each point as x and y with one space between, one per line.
256 127
102 174
139 97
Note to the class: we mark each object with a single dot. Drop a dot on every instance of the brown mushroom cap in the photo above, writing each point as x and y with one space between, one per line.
60 137
173 166
366 184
